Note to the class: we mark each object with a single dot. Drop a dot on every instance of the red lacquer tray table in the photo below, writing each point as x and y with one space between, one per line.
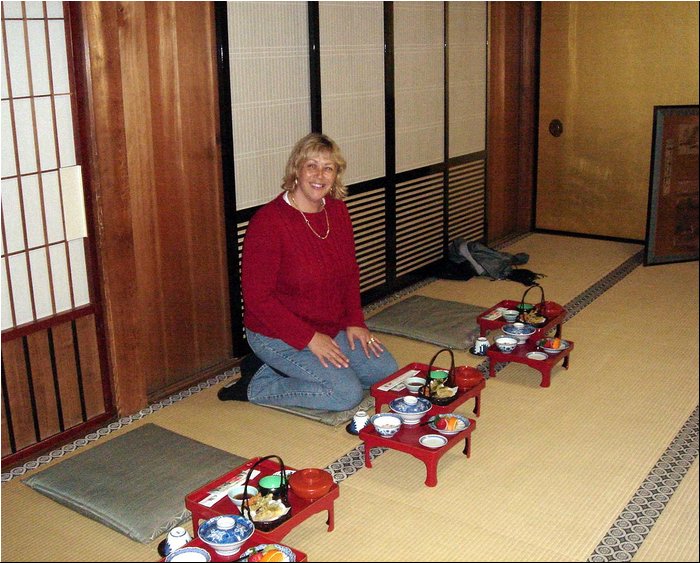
519 355
385 396
256 539
301 508
406 440
486 324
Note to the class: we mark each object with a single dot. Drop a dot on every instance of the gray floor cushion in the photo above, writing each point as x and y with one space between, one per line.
135 483
449 324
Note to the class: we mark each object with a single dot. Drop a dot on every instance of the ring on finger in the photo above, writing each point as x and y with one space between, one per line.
371 340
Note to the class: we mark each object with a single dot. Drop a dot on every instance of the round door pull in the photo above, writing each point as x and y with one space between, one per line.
556 128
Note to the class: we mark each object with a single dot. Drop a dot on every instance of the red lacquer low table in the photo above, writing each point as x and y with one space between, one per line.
486 324
384 397
301 508
256 539
519 355
406 440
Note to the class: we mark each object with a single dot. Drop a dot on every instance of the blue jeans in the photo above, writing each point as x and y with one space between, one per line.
308 384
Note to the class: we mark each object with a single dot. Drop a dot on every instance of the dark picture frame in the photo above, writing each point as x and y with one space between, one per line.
672 213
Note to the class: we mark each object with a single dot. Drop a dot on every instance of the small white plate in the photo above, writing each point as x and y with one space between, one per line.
433 441
537 355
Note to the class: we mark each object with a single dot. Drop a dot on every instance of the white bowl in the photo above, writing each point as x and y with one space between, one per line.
510 315
410 413
506 344
386 424
413 384
226 534
236 494
520 331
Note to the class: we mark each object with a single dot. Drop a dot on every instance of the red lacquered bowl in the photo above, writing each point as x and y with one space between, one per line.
310 483
466 377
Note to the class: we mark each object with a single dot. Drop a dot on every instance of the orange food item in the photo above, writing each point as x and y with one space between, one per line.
452 423
273 555
556 343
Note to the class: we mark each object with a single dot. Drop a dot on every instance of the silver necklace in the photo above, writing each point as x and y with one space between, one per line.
328 223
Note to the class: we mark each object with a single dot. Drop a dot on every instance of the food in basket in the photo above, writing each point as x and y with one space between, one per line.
265 508
440 390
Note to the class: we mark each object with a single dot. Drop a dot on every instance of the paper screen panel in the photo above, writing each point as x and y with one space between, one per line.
40 279
269 69
467 77
352 83
419 84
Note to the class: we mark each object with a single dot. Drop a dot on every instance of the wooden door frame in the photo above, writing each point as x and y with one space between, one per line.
512 116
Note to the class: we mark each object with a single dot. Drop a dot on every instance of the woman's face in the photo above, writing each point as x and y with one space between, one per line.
315 179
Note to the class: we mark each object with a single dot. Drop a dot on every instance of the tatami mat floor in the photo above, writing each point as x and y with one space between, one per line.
600 466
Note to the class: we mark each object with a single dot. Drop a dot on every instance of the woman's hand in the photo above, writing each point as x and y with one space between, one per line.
368 342
327 350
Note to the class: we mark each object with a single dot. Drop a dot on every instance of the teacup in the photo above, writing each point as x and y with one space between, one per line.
359 421
410 400
177 538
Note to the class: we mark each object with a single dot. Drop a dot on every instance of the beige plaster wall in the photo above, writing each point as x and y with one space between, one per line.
604 67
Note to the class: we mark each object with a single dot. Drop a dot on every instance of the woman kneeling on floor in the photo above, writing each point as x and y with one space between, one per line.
301 293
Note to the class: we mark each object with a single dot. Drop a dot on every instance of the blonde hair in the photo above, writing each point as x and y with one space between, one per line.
315 144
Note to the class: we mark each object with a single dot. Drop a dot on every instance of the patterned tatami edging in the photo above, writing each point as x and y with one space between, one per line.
636 520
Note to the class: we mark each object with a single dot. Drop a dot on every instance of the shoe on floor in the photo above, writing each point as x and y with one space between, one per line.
238 390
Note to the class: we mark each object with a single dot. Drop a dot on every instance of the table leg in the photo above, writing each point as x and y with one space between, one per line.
477 404
368 463
566 362
331 518
378 404
467 446
546 376
492 367
557 334
431 466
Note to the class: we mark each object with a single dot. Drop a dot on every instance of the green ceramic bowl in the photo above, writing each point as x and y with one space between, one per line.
438 374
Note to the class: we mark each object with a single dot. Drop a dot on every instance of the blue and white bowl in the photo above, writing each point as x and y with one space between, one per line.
227 533
520 331
386 424
188 554
410 413
506 344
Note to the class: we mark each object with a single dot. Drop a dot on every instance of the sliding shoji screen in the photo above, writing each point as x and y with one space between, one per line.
43 221
419 44
352 86
269 69
466 33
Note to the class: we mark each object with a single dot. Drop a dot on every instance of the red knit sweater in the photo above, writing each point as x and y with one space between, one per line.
294 283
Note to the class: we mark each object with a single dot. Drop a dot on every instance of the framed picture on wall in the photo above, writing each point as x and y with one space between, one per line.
672 214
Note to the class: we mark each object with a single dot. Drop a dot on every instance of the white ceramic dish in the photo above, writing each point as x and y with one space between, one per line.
463 424
433 441
188 554
563 345
537 355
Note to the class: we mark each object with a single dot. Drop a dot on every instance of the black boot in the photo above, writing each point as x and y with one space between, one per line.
238 390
